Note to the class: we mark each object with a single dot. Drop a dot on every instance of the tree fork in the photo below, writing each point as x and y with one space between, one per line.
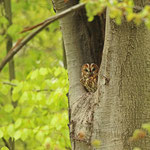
83 43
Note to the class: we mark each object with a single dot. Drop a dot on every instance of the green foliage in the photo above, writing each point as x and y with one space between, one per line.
146 126
41 114
118 9
4 148
136 148
96 143
36 114
44 49
139 134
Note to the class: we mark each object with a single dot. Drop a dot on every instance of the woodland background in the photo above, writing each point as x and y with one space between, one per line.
34 88
40 116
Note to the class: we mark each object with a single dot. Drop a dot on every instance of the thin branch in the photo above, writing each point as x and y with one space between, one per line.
42 90
34 90
12 143
9 83
6 143
24 41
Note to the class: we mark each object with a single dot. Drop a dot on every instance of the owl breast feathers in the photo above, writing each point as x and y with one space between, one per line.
89 76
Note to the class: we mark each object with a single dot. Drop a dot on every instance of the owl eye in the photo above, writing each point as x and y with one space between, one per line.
93 69
86 70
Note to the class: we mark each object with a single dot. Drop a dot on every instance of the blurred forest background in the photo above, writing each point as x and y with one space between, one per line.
34 105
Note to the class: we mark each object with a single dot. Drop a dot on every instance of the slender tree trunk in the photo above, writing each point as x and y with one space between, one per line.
8 15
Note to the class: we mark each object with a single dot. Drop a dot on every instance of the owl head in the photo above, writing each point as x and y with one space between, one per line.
89 70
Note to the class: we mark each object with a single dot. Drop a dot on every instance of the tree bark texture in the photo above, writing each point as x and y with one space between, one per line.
83 44
122 102
124 93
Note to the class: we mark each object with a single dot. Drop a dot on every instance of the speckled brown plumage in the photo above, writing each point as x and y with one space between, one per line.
89 76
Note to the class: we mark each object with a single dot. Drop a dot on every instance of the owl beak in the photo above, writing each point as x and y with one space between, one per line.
91 74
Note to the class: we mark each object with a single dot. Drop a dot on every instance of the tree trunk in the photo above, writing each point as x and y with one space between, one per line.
121 104
124 94
83 44
8 15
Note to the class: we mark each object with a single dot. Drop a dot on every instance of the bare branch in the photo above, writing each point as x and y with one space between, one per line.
24 41
6 143
9 83
34 90
43 90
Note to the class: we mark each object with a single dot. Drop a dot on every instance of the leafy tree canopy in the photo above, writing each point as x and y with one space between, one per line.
118 10
35 115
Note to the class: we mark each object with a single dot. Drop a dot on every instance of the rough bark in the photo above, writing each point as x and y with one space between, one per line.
8 15
124 93
83 44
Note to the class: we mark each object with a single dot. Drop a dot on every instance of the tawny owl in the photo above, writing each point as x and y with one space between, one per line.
89 76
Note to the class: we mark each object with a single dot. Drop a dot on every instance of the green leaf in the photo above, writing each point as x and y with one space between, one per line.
147 23
25 134
136 148
2 38
28 111
118 20
1 133
4 20
43 71
17 90
17 135
130 17
146 126
4 148
35 130
91 18
39 96
96 143
40 136
34 74
138 134
10 130
24 97
45 128
13 31
18 123
4 90
47 142
54 121
8 108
